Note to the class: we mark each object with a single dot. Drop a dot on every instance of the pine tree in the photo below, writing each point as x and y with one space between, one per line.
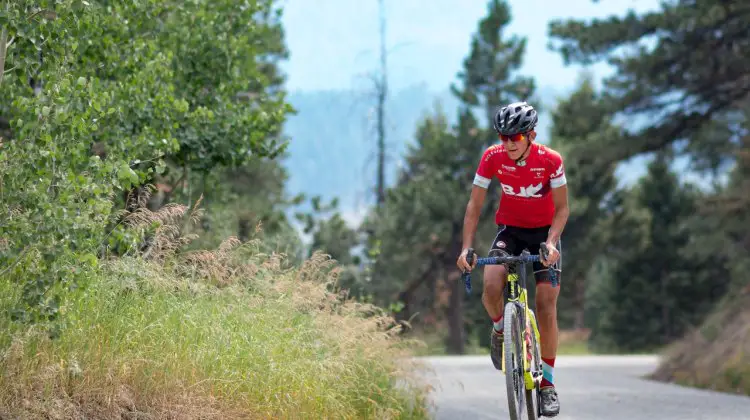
578 122
657 287
684 88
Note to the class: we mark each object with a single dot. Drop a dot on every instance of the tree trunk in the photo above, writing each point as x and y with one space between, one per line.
405 312
3 46
382 91
665 308
243 229
579 301
456 339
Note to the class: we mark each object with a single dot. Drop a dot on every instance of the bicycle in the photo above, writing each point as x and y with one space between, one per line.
525 358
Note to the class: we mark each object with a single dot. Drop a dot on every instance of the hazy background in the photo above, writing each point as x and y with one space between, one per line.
334 48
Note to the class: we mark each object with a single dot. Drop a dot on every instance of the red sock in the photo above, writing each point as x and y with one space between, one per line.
548 366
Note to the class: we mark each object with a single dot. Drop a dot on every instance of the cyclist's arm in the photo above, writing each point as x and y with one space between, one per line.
560 199
471 218
482 178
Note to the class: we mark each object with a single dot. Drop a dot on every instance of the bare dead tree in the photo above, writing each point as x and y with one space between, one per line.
381 87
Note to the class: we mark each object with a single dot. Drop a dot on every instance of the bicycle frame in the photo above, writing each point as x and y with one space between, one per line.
517 294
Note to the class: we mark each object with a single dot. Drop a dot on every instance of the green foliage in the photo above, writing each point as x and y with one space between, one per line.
221 70
661 281
247 202
100 97
489 72
332 236
336 239
580 121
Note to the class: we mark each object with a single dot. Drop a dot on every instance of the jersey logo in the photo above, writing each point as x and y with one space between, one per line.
526 192
493 151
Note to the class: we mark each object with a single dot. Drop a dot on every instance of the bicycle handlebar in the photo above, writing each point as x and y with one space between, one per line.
525 257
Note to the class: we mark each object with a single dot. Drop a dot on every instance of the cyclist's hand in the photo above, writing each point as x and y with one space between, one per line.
462 264
552 256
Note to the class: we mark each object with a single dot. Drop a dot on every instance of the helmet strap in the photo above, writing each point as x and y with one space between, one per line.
525 154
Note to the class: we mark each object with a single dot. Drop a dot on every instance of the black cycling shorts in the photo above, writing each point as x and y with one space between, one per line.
511 240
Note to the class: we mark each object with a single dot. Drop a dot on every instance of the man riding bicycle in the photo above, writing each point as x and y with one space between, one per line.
533 209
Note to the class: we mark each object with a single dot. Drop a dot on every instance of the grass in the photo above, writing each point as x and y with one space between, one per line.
574 342
231 333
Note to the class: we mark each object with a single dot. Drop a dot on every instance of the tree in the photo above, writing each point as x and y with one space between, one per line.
685 89
126 87
579 122
661 282
249 202
227 73
679 84
724 219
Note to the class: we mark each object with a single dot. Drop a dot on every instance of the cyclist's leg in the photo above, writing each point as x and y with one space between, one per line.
495 277
546 310
546 303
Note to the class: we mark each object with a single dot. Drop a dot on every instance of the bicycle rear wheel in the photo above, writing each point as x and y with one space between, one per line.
513 354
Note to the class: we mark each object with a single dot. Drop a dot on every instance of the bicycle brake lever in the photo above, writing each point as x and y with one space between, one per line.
544 253
467 274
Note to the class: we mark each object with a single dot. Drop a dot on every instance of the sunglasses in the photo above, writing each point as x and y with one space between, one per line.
514 138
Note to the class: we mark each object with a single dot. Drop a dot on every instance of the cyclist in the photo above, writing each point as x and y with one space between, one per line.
533 209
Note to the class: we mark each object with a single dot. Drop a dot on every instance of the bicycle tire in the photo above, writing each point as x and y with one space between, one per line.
532 395
513 349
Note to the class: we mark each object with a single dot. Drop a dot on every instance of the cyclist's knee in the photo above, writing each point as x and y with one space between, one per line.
494 281
546 299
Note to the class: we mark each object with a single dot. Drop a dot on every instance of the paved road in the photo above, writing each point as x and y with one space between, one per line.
590 387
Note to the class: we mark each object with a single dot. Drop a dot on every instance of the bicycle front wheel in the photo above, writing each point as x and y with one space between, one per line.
513 354
532 395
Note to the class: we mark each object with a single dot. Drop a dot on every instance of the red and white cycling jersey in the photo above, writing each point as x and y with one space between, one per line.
526 200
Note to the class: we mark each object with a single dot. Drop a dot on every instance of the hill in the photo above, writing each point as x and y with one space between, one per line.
716 355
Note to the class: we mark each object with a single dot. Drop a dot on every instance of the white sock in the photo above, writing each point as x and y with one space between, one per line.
498 325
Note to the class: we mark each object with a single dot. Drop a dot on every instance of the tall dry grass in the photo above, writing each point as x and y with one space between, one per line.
227 333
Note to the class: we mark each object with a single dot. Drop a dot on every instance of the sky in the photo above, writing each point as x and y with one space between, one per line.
334 43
